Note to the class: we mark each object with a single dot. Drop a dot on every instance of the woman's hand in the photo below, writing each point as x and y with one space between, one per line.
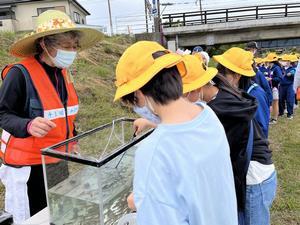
142 124
40 127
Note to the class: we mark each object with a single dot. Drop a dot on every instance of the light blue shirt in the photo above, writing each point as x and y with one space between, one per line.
183 175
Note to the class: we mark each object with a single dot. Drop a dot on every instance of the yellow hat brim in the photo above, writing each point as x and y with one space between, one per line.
166 61
272 60
26 46
223 61
200 82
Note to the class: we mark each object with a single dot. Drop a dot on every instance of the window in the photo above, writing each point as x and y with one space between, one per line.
60 8
77 17
6 15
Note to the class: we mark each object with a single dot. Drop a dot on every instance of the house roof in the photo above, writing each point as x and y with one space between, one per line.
10 2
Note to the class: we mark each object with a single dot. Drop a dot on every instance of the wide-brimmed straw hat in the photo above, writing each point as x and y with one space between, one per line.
140 63
197 75
49 23
237 60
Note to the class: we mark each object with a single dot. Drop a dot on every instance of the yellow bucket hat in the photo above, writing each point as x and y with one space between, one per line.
237 60
137 66
198 74
293 58
272 57
258 60
49 23
284 57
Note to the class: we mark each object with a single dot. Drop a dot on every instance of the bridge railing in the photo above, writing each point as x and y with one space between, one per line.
231 15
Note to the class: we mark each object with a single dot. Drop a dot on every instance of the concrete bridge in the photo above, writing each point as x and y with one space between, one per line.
232 25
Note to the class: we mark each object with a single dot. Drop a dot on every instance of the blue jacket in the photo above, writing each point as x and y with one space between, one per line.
276 75
261 80
288 78
265 71
262 114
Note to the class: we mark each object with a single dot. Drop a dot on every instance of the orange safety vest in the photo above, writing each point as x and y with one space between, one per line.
27 151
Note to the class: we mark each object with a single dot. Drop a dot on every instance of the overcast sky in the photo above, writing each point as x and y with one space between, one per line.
132 11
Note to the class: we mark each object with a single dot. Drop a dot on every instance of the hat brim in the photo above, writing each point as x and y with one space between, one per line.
272 60
166 61
223 61
200 82
26 46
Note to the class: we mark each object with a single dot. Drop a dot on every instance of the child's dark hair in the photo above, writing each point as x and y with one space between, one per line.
223 84
223 70
164 87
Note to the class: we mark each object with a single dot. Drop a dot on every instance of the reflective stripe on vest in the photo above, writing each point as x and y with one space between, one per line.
26 151
4 140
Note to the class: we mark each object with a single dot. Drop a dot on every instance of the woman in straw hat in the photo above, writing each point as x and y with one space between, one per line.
38 106
255 175
183 173
286 89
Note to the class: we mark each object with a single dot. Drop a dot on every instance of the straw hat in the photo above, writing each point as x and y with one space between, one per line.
138 65
198 74
49 23
272 57
237 60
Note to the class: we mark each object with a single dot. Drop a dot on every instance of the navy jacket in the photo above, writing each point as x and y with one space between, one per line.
261 80
262 115
288 76
276 75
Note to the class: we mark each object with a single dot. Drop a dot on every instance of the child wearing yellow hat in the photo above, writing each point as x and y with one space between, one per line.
183 172
275 79
252 163
245 80
286 89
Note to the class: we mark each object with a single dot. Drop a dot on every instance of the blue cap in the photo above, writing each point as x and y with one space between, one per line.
198 49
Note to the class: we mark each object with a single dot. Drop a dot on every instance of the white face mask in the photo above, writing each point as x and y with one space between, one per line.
146 113
63 59
200 97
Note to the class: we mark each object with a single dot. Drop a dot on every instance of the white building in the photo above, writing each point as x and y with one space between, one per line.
20 15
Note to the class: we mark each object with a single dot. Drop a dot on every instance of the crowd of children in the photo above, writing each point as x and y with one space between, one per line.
280 71
181 170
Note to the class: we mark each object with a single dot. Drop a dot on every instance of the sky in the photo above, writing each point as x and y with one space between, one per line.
129 15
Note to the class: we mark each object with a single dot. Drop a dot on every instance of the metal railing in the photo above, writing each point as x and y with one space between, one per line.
231 15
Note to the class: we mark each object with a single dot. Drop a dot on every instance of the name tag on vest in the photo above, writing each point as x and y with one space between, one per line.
60 113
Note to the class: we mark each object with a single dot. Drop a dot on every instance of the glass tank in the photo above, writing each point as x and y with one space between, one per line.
89 177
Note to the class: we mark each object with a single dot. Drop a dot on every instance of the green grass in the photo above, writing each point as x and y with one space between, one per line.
94 78
285 143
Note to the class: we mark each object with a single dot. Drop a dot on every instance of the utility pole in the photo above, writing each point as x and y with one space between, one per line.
158 13
157 17
146 16
110 19
200 4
